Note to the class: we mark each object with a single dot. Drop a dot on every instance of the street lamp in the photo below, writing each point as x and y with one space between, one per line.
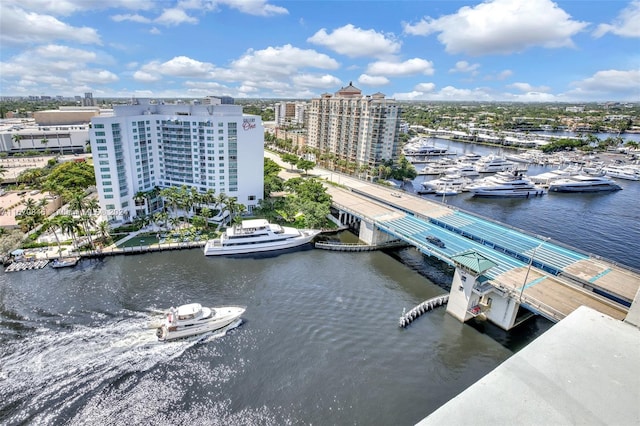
544 240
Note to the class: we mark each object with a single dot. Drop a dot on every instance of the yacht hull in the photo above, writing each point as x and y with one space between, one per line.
224 316
508 194
213 249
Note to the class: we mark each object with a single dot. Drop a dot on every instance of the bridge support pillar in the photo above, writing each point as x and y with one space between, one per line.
473 296
371 235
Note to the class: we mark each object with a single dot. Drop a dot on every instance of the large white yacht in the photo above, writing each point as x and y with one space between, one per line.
470 157
463 169
449 184
438 167
584 183
550 176
493 164
622 172
423 147
257 235
505 184
193 319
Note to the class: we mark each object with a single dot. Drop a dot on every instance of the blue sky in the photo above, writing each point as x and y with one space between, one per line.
496 50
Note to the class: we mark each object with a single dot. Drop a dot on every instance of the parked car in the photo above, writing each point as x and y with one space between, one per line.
435 241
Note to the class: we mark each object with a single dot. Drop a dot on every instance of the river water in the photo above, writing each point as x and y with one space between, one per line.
320 342
603 224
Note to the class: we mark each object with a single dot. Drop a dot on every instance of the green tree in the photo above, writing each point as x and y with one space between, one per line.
305 165
17 139
290 159
53 224
73 176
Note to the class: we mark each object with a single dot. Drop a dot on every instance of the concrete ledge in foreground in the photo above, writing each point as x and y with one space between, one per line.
584 370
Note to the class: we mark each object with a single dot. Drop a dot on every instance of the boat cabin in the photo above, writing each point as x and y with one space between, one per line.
189 312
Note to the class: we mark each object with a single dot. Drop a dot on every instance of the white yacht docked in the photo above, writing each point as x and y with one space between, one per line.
547 177
422 147
193 319
434 168
257 235
584 183
65 262
622 172
463 169
469 157
449 184
493 164
505 184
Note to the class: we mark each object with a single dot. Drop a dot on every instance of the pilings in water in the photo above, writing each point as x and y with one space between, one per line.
426 306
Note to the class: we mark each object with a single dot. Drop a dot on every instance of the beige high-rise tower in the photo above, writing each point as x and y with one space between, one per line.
358 129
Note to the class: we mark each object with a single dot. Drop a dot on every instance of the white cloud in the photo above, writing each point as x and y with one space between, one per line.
283 60
372 80
93 77
315 81
282 71
465 67
356 42
409 67
503 75
408 96
21 27
526 87
68 7
425 87
501 27
627 24
448 93
54 68
155 31
182 66
612 82
131 17
254 7
56 51
175 16
146 77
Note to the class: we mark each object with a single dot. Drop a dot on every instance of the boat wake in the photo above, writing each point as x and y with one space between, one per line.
68 366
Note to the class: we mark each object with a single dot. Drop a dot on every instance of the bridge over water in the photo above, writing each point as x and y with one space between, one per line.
544 276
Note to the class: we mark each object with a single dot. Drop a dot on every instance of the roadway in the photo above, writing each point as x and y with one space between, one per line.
558 281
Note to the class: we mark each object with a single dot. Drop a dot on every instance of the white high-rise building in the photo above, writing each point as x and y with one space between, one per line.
358 129
290 113
146 145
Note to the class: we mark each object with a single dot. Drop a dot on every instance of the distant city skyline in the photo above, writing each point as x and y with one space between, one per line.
497 50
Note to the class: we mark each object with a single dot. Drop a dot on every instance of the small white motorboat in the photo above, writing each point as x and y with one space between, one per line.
193 319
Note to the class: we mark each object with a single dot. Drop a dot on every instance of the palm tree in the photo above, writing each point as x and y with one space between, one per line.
174 221
103 229
44 142
206 213
16 139
69 225
51 224
87 221
238 211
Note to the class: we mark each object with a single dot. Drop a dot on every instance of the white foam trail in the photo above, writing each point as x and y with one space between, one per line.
65 365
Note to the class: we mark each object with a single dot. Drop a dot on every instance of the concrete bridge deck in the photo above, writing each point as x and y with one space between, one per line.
560 278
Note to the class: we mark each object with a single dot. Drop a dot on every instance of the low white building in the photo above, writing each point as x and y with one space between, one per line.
22 135
152 145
